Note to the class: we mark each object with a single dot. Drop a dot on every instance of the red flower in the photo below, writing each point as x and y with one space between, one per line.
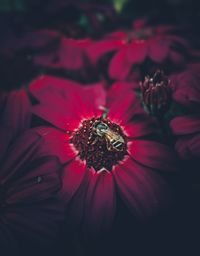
135 46
103 150
187 127
29 182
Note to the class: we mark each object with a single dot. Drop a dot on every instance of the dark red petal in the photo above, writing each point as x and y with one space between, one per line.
120 66
38 39
76 207
16 113
154 155
187 95
185 125
176 57
177 39
158 49
35 222
42 87
140 128
6 135
188 148
121 110
58 95
99 49
55 143
36 181
73 176
64 101
95 94
59 120
25 149
143 190
137 52
100 203
195 146
70 55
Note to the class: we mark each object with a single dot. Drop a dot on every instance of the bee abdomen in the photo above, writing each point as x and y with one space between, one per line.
116 144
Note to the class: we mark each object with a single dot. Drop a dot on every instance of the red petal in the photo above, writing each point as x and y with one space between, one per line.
185 125
142 189
75 211
140 128
188 148
176 57
100 48
120 66
154 155
65 100
55 143
158 49
187 95
100 203
73 176
35 222
195 146
16 113
59 120
137 52
70 55
5 138
177 39
40 182
57 93
121 110
24 150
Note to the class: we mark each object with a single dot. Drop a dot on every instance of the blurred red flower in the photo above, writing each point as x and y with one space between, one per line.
187 126
133 47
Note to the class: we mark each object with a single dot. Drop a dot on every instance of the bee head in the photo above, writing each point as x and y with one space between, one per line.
101 128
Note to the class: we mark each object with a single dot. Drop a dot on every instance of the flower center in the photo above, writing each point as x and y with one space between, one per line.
156 93
101 143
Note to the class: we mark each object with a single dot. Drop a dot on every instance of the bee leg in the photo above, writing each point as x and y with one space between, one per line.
94 141
108 145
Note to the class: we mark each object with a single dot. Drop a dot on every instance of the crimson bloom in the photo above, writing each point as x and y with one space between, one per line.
137 45
99 137
187 126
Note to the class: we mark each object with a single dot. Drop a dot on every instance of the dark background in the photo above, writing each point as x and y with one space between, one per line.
175 232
